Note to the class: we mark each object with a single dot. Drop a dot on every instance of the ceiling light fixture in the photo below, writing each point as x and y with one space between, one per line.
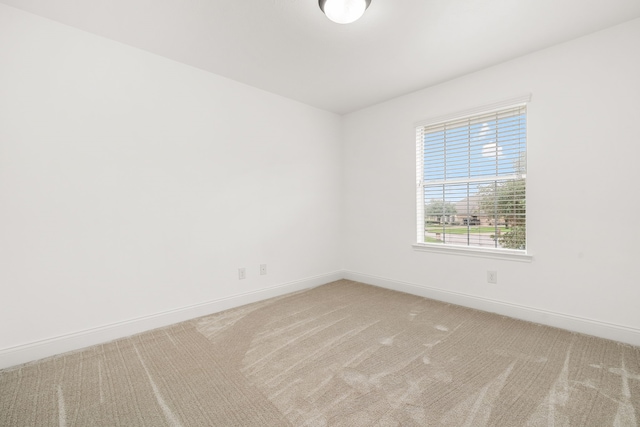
344 11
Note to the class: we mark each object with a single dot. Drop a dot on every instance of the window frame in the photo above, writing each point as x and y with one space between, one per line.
473 251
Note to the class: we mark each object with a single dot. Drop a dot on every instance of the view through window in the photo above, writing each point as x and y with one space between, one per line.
472 179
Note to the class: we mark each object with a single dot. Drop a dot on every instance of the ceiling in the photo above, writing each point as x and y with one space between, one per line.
290 48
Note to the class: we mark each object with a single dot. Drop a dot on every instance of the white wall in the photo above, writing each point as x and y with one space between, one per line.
131 186
582 184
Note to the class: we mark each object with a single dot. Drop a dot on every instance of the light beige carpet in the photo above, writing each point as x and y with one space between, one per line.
343 354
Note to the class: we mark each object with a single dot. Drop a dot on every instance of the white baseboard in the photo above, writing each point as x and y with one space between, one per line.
572 323
61 344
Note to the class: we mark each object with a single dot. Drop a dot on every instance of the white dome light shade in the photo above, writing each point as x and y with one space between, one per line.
344 11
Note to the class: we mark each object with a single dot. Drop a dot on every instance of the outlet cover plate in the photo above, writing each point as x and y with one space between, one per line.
492 277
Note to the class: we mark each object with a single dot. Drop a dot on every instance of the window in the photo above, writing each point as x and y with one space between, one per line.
471 174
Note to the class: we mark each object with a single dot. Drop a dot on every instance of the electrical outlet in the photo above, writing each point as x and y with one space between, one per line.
492 277
263 269
242 273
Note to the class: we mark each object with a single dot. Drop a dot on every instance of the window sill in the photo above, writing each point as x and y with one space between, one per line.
503 254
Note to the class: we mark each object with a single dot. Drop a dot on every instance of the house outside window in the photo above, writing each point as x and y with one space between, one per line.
471 179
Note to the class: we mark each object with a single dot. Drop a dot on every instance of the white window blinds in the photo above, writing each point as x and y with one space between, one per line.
471 176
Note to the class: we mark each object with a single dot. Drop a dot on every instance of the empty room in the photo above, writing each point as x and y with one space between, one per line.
319 213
